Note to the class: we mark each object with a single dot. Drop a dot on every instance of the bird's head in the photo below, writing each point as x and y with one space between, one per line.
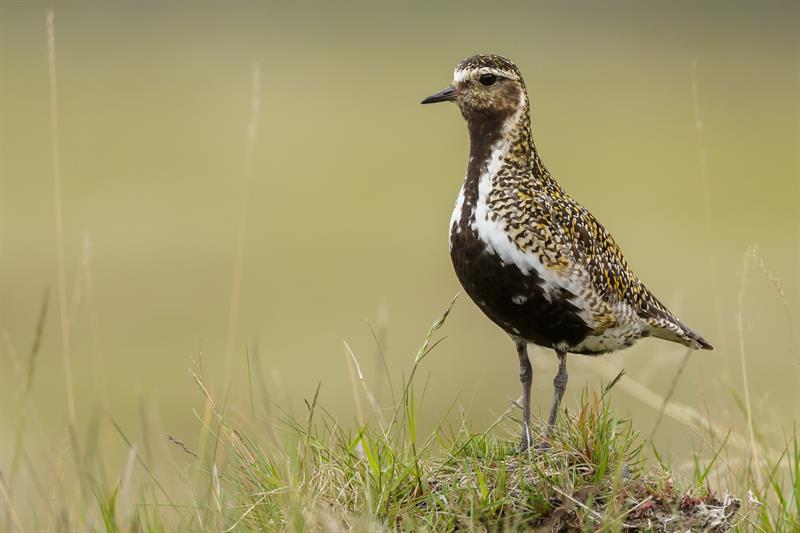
485 87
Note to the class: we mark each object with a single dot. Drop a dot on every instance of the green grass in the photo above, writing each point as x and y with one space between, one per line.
316 473
592 476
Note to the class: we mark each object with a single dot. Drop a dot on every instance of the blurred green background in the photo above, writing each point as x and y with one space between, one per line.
677 124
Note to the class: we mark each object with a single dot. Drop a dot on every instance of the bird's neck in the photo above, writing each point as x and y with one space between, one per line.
497 142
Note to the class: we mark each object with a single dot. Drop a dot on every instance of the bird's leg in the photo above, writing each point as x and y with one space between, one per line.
526 377
559 385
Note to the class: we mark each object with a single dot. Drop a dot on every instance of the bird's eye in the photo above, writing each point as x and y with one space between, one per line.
488 79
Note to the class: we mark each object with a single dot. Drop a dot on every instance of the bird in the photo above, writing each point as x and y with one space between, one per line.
534 260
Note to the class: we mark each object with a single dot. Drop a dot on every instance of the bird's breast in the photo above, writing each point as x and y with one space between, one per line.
511 286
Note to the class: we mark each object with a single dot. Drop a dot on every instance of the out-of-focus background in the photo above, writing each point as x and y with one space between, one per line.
677 125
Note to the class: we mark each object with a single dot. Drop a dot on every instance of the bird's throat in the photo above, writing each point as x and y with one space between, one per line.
498 141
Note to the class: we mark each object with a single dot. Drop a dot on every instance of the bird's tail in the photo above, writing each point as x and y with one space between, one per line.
672 329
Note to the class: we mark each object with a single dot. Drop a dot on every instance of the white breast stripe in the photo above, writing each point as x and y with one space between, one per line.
492 230
456 216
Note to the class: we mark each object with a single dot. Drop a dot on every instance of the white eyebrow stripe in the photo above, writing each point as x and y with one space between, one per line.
461 75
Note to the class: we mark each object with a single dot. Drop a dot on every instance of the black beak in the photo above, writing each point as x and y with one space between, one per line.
445 95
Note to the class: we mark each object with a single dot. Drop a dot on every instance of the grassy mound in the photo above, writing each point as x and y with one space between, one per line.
591 476
315 475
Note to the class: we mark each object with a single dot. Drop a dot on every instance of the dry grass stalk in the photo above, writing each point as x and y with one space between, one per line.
752 450
59 216
684 414
250 146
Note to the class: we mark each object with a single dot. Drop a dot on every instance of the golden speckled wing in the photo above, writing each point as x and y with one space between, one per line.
557 221
593 247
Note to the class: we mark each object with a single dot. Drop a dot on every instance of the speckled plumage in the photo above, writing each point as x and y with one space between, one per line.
534 260
553 237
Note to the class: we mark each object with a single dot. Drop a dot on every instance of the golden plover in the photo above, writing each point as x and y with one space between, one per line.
534 260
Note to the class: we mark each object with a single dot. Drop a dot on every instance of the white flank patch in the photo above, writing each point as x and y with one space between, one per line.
519 299
493 233
612 339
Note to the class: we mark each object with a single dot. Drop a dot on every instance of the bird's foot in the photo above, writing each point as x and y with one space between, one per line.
526 443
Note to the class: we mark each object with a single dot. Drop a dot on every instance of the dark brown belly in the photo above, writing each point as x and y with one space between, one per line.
513 300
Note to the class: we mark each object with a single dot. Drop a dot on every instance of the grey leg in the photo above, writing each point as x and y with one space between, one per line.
526 377
559 385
